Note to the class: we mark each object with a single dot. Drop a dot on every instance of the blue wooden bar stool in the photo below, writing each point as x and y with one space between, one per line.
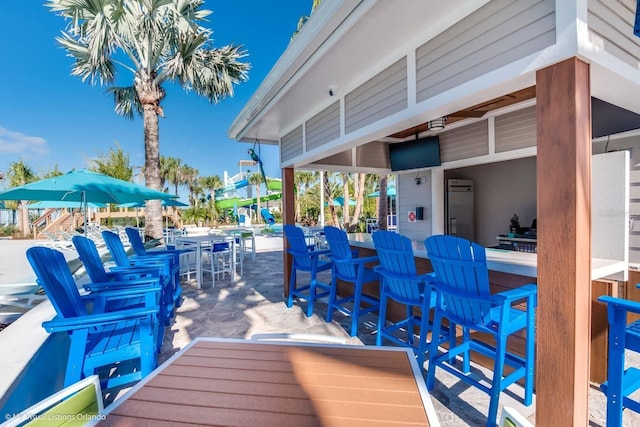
621 382
464 299
308 260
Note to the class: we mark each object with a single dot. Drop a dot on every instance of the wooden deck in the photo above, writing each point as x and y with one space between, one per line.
247 383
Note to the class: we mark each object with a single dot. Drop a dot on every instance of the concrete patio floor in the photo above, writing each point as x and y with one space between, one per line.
254 304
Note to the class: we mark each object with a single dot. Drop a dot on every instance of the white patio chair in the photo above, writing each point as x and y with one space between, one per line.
22 295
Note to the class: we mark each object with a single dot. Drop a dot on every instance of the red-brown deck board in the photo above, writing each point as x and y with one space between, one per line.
230 383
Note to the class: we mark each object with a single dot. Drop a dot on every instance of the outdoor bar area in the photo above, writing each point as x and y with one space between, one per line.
530 108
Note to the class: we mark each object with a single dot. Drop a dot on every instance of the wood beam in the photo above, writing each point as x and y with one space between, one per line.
563 112
288 217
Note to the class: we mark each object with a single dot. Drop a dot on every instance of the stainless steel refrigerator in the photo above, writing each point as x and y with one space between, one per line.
459 208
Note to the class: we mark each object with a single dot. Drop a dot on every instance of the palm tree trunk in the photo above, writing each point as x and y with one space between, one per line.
329 199
383 208
23 218
359 179
345 204
153 209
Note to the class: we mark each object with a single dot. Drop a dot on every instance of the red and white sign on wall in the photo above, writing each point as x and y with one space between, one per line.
411 216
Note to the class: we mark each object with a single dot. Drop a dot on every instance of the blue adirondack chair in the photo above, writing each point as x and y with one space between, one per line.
621 382
99 339
400 282
163 266
172 255
462 280
118 278
307 260
350 269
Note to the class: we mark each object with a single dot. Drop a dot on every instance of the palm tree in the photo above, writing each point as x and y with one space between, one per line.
329 199
52 172
302 180
209 184
170 171
157 42
359 179
115 163
20 173
383 208
190 178
345 199
255 179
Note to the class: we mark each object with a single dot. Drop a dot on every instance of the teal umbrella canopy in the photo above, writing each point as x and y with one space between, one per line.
84 186
339 201
63 204
391 192
166 202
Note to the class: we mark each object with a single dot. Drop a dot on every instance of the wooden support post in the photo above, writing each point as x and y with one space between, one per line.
288 217
563 113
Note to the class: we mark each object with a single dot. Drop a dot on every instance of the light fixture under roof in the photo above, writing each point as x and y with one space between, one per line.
437 124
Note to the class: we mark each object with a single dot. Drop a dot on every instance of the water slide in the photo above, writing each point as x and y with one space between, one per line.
232 202
231 187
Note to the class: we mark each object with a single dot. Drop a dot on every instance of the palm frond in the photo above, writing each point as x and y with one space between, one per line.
126 101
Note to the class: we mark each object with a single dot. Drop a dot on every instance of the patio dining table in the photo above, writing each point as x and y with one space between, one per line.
204 241
223 382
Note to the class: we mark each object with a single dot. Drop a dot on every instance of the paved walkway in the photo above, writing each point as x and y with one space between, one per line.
254 304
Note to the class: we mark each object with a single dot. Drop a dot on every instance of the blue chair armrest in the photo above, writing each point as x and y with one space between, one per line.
91 320
365 260
621 304
123 292
516 294
318 253
135 270
123 284
428 277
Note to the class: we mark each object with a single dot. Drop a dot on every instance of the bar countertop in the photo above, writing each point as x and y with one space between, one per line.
521 263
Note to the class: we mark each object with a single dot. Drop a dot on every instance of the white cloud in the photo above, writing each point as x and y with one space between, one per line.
19 144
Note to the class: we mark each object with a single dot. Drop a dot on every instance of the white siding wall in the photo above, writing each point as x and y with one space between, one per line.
291 145
610 28
379 97
323 127
495 35
464 142
411 196
516 130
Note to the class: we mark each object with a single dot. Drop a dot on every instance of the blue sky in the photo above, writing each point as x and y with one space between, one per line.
48 117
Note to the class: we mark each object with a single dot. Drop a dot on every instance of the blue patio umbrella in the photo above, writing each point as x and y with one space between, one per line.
84 186
47 204
391 192
166 202
339 201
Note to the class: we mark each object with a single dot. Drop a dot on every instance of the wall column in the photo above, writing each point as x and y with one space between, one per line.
563 113
288 217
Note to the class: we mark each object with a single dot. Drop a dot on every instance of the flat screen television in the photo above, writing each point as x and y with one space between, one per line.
416 154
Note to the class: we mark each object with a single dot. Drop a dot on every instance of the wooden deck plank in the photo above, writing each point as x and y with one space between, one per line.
224 383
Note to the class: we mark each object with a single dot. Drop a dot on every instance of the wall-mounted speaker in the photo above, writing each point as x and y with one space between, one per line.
420 213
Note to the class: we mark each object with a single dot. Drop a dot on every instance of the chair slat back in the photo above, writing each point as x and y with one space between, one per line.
90 258
298 246
55 277
396 259
462 276
340 251
116 248
136 241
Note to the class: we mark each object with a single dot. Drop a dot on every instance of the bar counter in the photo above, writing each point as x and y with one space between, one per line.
512 269
505 261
